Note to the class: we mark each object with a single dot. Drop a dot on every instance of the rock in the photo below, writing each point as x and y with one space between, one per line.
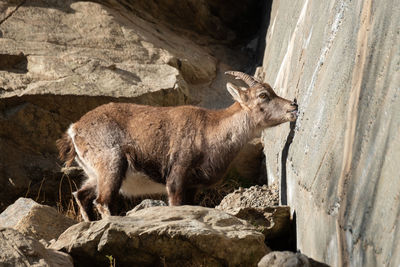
173 236
288 259
147 203
246 169
202 17
256 197
273 222
17 250
33 219
339 164
257 205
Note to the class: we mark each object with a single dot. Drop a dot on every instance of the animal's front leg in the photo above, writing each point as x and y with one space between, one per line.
176 186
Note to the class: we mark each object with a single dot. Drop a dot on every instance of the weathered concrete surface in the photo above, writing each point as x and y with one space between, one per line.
59 59
340 172
165 236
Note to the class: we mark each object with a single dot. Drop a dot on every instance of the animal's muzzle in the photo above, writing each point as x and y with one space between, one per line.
293 111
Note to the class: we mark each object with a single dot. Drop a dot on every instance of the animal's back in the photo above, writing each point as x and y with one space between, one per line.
141 119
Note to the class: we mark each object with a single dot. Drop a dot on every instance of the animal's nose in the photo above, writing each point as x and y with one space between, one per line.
294 104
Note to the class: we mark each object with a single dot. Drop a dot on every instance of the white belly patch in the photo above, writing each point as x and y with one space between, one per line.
138 184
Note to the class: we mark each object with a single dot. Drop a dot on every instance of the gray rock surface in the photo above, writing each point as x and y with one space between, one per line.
35 220
257 205
173 236
288 259
255 197
19 250
339 165
147 203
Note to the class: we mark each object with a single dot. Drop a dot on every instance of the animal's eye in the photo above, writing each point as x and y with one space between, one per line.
263 95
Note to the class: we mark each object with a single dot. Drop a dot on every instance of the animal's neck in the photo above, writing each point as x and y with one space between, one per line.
232 131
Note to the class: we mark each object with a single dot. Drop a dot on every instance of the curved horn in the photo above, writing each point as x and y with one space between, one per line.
249 80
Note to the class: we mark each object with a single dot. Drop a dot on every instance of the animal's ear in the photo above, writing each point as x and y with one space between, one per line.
239 94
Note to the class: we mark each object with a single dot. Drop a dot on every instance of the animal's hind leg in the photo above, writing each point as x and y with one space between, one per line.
84 198
110 177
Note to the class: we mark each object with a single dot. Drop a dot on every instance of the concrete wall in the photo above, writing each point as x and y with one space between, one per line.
339 165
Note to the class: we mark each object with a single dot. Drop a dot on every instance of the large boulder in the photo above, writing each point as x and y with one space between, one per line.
33 219
19 250
173 236
258 205
339 164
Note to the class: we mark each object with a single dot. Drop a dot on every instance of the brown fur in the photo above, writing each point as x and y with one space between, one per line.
66 149
185 147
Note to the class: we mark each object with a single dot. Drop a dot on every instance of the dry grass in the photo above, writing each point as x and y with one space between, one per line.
62 200
211 197
65 203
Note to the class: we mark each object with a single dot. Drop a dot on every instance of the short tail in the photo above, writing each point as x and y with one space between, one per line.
66 149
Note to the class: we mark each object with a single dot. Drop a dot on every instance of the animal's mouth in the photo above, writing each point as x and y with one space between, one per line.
293 114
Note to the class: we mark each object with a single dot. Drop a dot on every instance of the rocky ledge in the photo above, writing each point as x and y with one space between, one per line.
175 236
239 232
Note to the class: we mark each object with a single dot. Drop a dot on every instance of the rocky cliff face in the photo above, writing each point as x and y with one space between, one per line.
338 165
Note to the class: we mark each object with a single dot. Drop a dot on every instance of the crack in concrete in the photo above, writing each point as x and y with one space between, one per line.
12 12
284 158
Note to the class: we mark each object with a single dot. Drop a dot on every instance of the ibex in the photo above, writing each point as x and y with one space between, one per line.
138 150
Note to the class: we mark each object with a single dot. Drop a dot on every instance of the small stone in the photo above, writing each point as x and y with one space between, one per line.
288 259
